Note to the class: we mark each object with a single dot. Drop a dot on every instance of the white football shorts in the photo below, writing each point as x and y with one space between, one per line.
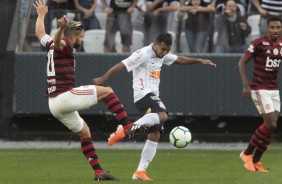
266 101
65 106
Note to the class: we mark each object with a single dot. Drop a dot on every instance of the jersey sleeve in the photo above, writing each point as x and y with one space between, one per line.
169 59
134 60
251 49
45 39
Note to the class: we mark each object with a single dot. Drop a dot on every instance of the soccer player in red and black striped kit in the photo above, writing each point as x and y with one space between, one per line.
64 99
266 53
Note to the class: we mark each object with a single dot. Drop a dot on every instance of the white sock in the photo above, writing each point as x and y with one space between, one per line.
148 119
147 155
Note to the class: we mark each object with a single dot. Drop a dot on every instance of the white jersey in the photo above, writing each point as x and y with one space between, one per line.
146 67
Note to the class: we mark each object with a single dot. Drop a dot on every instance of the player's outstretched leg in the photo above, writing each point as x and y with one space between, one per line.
140 125
128 130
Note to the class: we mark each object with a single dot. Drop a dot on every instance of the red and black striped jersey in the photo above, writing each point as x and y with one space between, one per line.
60 68
267 56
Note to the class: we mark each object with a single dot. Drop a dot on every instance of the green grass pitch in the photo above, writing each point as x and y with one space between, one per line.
170 166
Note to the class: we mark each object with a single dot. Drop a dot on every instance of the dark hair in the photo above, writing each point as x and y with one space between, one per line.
273 18
74 27
165 38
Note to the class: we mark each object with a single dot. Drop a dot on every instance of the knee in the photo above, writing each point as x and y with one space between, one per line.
109 90
84 132
163 116
106 91
272 126
154 136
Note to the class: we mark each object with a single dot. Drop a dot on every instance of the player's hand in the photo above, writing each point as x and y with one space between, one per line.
63 22
208 62
40 7
247 92
98 81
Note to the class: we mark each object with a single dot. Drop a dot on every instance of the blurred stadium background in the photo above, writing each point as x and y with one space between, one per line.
207 101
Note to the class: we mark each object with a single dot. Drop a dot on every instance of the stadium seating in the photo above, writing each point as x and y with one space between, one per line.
94 41
137 41
102 17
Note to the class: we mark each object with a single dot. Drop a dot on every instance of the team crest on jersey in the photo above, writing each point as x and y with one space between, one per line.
265 43
275 51
267 107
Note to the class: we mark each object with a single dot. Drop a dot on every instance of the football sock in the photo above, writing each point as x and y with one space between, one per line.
148 119
260 140
257 156
89 152
263 136
114 105
250 149
147 155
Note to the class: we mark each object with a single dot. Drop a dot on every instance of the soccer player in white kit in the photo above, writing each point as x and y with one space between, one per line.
146 66
64 99
266 52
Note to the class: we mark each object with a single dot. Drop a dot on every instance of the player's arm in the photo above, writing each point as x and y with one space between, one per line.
182 60
242 70
58 42
41 10
115 69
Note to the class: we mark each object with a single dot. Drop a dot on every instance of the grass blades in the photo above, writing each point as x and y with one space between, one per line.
175 166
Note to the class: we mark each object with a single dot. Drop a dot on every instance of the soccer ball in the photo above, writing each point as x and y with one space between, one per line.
180 136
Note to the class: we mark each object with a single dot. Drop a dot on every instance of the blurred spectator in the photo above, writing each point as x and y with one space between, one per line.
179 27
100 7
118 19
156 18
137 16
197 24
231 29
220 6
57 8
266 8
87 16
